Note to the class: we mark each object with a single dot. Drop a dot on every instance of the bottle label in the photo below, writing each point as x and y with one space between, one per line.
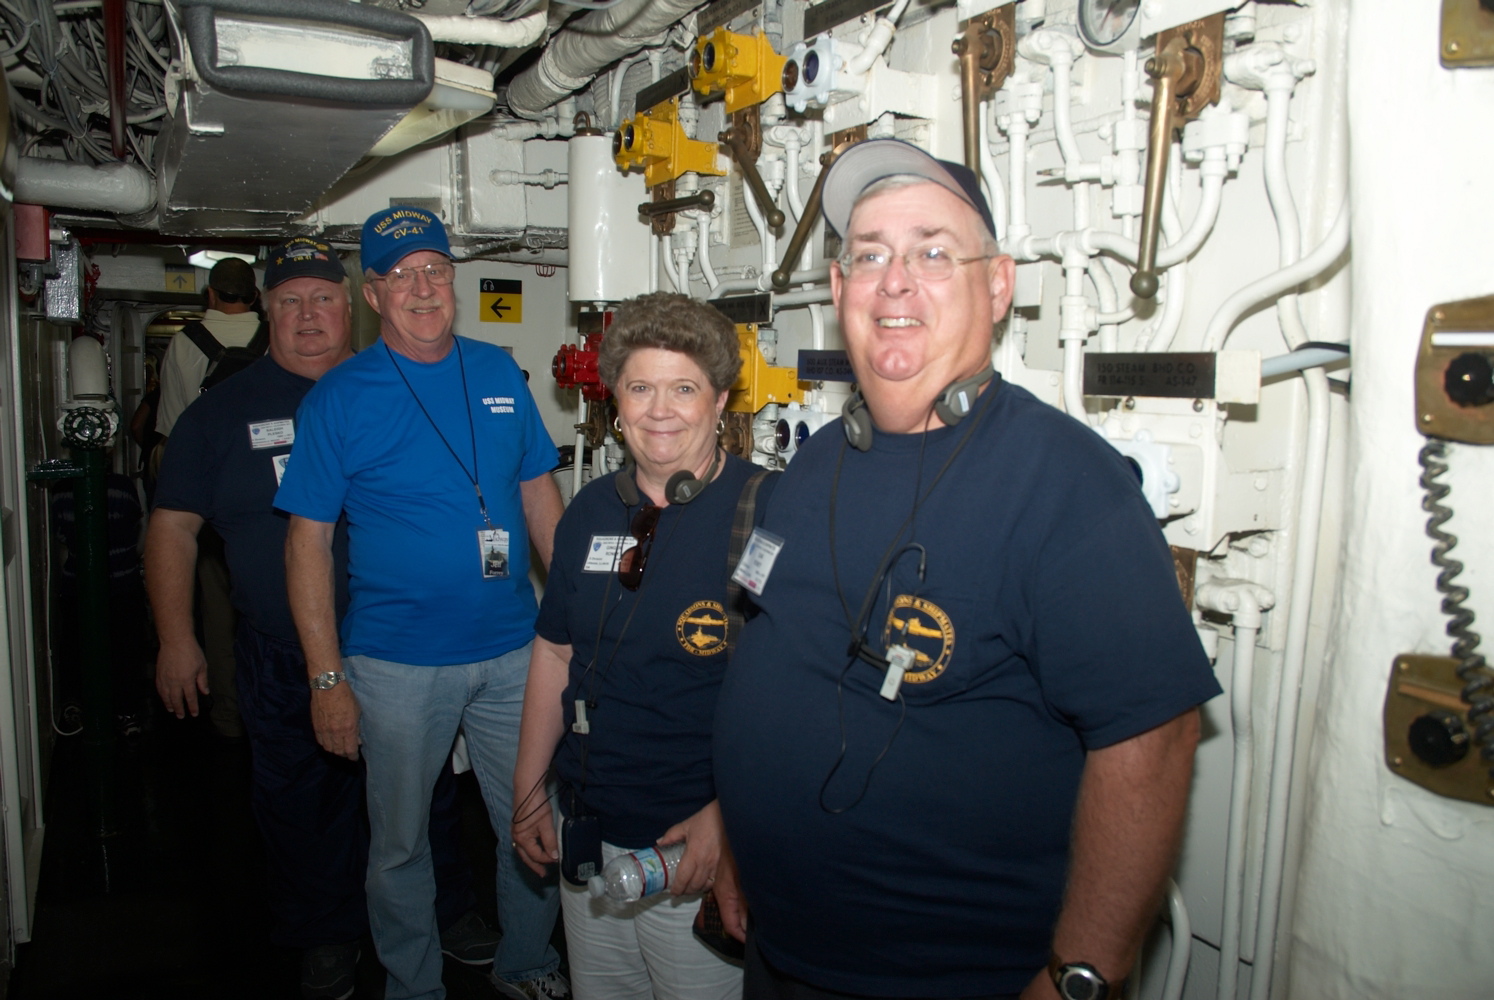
654 874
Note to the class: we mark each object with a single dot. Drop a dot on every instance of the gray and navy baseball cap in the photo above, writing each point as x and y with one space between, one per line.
865 163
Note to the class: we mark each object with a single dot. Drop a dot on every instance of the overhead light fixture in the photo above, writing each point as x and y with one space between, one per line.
205 259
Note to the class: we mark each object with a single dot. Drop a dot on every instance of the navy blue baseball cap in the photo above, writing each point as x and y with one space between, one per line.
398 231
302 257
865 163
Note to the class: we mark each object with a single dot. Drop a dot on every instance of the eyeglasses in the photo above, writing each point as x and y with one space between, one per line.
924 263
630 566
402 279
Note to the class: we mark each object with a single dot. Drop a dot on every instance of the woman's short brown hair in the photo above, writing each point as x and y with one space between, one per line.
672 322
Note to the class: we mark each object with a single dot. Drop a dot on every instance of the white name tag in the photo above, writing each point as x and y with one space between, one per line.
757 560
272 434
604 552
280 462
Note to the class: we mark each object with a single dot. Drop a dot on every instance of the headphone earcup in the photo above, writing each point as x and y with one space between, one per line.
683 487
857 422
627 490
958 398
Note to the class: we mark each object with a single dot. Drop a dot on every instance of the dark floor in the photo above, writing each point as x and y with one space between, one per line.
169 907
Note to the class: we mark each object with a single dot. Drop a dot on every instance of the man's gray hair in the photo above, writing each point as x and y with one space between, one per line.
898 181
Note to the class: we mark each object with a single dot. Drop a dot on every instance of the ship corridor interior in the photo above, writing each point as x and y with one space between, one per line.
1251 245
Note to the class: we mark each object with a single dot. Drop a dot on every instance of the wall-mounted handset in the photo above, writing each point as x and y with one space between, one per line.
1186 73
1439 710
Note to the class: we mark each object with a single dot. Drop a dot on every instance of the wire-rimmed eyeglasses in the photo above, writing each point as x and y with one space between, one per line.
926 263
402 279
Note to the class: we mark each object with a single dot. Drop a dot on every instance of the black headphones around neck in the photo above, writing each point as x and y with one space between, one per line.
682 487
951 406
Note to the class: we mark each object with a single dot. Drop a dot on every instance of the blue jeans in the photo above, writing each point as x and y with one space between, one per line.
410 717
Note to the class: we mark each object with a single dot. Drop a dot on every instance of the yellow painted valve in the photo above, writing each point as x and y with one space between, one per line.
656 143
759 382
744 67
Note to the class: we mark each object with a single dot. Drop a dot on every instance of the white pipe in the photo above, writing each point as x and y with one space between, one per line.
1073 329
1109 302
995 190
1278 88
803 296
655 248
1198 230
876 40
545 178
123 188
703 219
816 327
764 232
791 147
1244 601
1176 277
1182 943
1278 282
763 282
666 252
615 91
516 34
589 44
1304 357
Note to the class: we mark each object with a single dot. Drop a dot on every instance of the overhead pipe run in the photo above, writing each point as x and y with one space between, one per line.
575 55
516 34
121 188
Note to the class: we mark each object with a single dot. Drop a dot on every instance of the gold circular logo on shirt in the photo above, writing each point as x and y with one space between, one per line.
922 626
701 630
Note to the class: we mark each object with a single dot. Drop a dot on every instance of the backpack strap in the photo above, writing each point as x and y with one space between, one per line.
260 342
741 529
205 341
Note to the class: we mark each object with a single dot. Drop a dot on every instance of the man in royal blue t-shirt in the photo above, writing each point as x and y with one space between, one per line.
431 446
953 747
228 452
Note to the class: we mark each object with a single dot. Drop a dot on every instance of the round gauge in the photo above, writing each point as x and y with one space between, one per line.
1109 25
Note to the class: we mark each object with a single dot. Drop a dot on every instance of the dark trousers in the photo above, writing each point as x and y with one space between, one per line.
761 981
309 807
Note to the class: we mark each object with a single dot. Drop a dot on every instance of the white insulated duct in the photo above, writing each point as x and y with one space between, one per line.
122 188
516 34
575 55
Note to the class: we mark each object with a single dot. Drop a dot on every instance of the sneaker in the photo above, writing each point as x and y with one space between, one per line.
470 940
550 986
329 971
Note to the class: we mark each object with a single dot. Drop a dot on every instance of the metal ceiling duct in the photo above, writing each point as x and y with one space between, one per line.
279 99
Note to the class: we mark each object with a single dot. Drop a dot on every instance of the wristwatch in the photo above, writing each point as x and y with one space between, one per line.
1079 981
327 680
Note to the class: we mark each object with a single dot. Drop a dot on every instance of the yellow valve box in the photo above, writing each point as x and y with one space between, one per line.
760 383
656 143
745 67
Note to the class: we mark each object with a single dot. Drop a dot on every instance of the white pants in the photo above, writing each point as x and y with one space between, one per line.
643 950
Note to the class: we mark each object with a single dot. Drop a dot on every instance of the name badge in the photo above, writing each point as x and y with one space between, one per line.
272 434
492 546
280 462
757 560
604 552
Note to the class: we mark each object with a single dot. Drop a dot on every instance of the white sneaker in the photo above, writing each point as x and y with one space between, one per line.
550 986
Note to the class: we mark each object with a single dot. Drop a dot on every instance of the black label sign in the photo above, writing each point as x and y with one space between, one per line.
502 286
1180 376
825 366
746 308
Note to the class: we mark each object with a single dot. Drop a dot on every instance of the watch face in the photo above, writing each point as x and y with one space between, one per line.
1103 23
1080 982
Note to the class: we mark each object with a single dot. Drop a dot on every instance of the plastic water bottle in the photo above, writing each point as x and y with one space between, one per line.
630 877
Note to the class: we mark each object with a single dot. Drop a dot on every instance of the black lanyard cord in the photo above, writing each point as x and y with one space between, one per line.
472 476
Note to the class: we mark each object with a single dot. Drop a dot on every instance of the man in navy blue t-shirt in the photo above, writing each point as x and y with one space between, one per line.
953 747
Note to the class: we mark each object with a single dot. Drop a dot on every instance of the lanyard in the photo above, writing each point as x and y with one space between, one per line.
482 504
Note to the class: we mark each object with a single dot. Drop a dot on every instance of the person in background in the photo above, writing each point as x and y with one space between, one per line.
953 749
230 320
633 640
229 451
432 447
